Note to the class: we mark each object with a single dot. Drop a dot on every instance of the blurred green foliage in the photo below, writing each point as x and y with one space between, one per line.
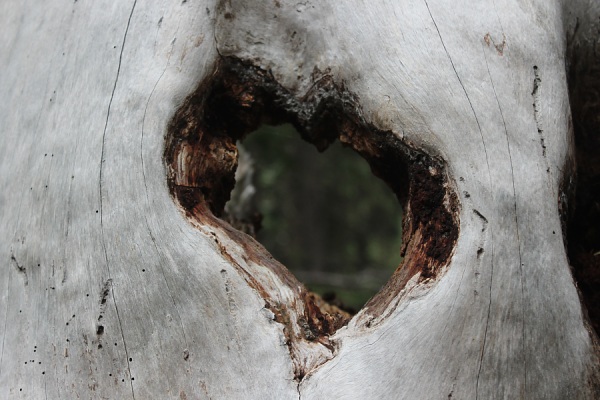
324 215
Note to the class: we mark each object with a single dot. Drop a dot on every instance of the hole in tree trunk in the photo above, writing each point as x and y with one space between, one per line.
201 158
325 216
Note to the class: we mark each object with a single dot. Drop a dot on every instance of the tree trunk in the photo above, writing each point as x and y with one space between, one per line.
117 153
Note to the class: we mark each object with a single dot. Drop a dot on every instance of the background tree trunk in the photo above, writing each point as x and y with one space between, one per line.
119 123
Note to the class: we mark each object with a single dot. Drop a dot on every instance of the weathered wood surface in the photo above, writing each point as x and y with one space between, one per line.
109 290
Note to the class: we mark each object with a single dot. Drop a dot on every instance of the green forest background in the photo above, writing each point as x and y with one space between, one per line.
325 216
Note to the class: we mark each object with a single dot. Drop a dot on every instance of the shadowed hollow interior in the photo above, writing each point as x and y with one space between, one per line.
580 203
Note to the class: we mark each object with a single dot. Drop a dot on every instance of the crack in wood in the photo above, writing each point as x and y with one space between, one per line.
100 186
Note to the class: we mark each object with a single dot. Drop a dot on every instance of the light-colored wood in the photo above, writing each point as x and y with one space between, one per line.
108 290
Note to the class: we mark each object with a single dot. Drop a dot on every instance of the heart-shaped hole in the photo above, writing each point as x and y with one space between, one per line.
201 158
323 215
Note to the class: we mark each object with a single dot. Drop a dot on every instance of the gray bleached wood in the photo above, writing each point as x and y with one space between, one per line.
102 80
111 291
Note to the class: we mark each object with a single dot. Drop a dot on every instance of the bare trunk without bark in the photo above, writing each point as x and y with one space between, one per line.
117 153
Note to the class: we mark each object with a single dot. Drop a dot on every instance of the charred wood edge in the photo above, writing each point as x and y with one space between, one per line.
201 158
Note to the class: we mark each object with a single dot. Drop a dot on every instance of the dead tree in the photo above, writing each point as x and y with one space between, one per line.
118 152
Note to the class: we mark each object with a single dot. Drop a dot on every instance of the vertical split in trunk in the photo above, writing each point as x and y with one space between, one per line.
583 226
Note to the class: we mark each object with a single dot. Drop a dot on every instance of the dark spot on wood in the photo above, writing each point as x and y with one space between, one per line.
228 15
105 291
480 215
99 330
20 269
